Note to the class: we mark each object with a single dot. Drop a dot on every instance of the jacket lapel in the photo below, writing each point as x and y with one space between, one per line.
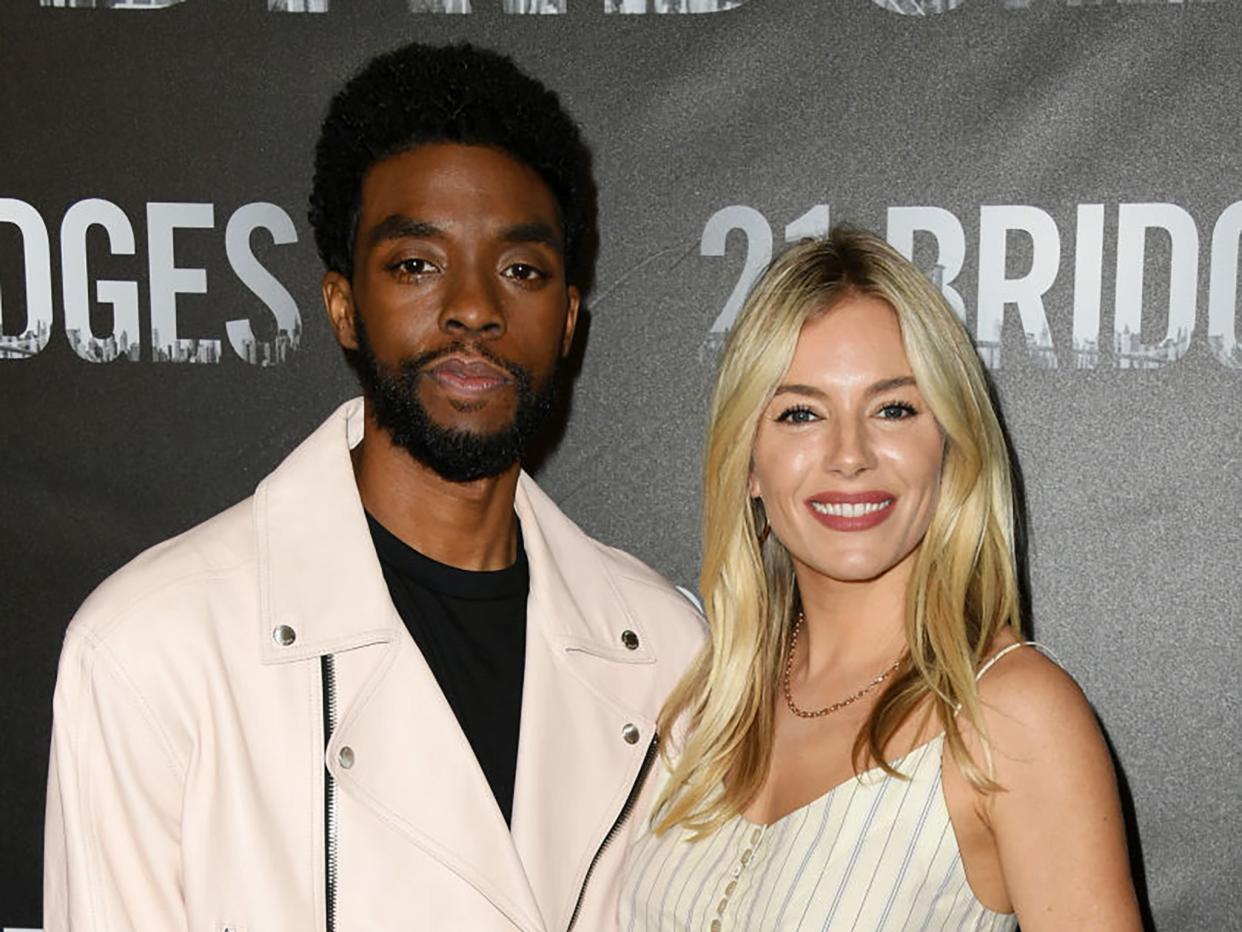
412 765
582 744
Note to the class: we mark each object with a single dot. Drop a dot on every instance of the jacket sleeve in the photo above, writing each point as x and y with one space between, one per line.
112 832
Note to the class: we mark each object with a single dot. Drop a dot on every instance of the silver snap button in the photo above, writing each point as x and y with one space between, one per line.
629 639
284 635
630 734
346 756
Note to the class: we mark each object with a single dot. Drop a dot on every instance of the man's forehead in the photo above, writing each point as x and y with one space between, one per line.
445 175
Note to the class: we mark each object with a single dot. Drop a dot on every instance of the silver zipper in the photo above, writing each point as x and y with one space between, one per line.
616 826
327 668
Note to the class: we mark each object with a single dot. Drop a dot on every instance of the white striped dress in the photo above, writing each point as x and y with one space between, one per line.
873 854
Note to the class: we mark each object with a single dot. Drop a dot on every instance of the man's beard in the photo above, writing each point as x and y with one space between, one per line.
454 454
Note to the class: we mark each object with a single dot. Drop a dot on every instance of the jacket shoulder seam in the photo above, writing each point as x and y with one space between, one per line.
101 652
97 627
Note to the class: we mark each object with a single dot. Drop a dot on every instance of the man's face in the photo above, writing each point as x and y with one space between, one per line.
458 309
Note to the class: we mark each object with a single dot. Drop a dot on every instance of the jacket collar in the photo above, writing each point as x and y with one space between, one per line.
318 573
591 615
319 576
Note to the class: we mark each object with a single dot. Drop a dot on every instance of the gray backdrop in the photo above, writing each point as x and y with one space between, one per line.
1068 171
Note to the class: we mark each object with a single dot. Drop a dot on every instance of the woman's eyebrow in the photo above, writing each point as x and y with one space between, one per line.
887 385
875 388
798 389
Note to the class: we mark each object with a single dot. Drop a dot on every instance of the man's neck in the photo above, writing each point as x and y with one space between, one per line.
469 525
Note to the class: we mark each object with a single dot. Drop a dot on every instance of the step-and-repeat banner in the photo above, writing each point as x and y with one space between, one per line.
1067 171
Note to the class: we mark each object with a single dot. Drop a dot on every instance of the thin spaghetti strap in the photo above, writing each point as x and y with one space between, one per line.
1003 651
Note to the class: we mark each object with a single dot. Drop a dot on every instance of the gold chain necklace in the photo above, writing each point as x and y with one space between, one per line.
836 706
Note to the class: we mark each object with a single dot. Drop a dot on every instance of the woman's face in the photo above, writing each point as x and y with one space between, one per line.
847 456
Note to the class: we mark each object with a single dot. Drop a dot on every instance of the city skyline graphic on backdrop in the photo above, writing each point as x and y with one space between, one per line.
432 6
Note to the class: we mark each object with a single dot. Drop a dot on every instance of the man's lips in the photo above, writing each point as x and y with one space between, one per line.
851 511
468 375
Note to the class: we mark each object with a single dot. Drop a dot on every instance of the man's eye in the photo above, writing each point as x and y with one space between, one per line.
798 414
897 410
523 272
412 267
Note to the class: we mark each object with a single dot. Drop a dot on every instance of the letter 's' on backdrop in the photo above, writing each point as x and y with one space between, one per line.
1067 171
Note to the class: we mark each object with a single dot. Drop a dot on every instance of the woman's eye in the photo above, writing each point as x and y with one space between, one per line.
798 414
897 410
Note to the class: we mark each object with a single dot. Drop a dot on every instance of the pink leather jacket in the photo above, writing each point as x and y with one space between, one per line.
247 739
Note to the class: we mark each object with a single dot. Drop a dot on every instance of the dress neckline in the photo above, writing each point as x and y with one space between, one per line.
860 777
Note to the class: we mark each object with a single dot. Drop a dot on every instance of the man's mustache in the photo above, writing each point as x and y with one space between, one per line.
416 365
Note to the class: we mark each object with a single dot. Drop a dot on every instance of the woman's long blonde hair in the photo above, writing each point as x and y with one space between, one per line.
963 588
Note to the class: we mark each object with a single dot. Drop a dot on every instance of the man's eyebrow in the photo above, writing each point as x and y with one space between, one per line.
534 232
875 388
399 226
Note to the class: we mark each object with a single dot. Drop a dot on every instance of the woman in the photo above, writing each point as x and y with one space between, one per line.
838 759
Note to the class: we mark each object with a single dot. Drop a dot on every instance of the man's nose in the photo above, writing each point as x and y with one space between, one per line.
472 307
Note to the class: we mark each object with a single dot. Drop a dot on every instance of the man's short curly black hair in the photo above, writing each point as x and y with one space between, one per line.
457 93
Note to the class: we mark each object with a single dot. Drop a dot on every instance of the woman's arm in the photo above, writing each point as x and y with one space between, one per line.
1057 824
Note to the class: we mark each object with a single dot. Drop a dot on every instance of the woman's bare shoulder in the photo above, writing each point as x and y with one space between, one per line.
1033 710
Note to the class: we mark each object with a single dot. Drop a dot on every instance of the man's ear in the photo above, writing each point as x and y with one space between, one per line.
338 300
571 318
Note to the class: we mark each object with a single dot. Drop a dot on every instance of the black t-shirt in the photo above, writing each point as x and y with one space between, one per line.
471 628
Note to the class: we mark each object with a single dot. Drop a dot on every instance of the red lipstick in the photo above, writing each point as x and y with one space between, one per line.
851 511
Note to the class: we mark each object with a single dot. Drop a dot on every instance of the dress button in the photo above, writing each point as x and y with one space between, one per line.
732 885
284 635
720 907
346 756
629 639
746 856
715 925
630 734
755 836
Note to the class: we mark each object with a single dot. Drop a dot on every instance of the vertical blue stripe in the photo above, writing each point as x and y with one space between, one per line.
648 842
931 863
669 846
672 878
705 850
944 884
793 887
789 850
948 913
908 785
911 847
709 875
858 845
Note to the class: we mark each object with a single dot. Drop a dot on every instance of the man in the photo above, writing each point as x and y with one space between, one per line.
397 688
